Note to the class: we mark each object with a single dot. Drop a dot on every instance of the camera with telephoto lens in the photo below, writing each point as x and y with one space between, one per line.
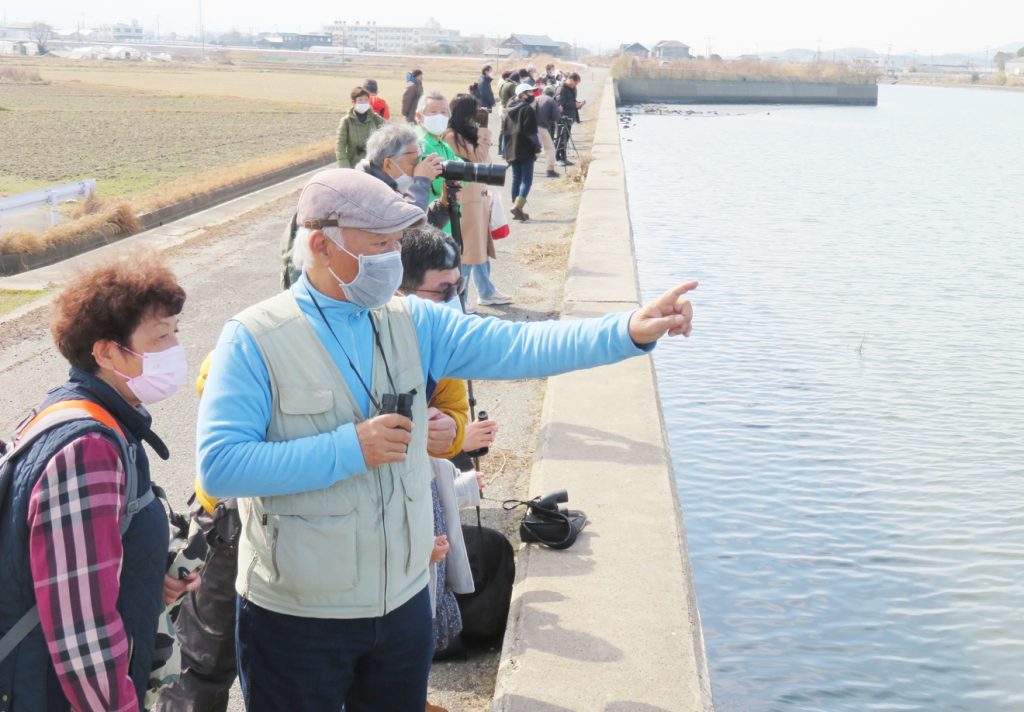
486 173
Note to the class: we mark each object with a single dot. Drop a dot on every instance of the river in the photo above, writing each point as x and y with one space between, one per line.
847 421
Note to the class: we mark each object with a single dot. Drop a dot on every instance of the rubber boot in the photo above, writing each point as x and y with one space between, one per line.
517 210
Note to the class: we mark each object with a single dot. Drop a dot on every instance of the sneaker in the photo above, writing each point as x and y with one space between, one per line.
567 163
495 299
552 173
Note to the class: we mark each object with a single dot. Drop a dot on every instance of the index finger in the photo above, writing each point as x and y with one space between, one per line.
683 288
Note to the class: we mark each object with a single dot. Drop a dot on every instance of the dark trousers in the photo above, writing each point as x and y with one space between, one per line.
522 177
206 622
295 664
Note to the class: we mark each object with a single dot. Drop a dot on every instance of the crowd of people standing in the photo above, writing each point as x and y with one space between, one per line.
330 518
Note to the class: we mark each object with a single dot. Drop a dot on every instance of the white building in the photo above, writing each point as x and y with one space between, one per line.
1015 67
383 38
16 32
118 32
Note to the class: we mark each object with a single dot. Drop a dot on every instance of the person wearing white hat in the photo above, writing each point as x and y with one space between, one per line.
522 144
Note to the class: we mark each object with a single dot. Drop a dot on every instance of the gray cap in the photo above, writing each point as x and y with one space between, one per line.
349 198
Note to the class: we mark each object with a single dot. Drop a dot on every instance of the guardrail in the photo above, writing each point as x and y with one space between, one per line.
52 196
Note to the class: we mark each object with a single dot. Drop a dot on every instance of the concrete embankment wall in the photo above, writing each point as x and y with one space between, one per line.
611 623
691 91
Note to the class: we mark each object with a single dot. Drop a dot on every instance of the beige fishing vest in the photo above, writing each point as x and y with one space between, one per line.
361 547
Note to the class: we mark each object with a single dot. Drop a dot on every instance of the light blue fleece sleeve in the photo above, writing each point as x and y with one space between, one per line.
455 345
233 458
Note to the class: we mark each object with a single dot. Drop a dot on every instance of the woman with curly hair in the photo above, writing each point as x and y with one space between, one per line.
83 539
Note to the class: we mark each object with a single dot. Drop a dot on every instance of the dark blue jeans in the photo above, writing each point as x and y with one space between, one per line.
522 177
295 664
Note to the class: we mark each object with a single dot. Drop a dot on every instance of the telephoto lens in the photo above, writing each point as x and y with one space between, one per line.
487 173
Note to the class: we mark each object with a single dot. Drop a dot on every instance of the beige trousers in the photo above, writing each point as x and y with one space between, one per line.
549 147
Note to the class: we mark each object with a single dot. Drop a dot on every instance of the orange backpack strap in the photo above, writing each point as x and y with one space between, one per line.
69 410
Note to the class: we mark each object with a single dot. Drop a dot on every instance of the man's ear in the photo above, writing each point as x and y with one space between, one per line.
318 243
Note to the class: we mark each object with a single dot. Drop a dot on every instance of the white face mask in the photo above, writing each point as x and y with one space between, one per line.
435 123
163 374
362 108
378 278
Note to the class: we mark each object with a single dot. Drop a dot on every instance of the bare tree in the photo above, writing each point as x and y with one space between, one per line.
41 34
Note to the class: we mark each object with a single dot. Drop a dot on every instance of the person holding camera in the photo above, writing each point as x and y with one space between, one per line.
522 144
392 156
472 143
355 129
432 118
315 416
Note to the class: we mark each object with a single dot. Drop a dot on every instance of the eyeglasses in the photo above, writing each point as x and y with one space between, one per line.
449 292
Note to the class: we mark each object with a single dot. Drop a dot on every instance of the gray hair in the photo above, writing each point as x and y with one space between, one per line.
302 253
431 96
389 141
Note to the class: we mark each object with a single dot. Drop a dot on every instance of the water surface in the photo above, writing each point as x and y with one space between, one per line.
847 422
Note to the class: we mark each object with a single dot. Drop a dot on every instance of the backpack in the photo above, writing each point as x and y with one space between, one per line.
492 561
27 432
474 89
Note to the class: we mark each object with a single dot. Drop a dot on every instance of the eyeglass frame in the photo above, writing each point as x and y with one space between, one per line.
457 289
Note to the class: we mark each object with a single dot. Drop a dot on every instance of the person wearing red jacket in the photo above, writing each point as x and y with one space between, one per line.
379 106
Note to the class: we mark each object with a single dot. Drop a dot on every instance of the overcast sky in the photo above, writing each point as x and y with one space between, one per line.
733 27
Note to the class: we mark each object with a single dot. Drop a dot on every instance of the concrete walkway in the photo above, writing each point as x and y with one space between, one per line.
612 623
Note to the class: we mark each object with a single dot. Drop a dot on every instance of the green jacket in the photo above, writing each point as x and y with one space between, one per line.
353 135
506 92
429 143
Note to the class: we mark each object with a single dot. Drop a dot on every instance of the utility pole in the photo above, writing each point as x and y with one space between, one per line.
817 55
202 34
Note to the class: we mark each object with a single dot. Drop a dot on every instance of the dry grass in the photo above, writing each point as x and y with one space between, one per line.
707 70
993 79
542 253
18 75
11 300
120 218
111 221
209 181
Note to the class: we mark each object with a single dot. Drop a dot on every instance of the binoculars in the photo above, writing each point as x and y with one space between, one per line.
400 403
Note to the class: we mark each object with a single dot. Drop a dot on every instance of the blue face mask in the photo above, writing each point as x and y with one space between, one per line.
375 283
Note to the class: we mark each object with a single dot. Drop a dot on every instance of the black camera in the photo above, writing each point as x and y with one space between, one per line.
487 173
400 403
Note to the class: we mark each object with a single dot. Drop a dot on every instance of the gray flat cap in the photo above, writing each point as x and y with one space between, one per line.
350 198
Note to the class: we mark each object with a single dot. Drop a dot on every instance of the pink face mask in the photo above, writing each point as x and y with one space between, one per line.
163 374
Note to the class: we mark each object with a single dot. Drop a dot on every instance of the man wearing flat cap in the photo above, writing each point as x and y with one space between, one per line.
298 421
